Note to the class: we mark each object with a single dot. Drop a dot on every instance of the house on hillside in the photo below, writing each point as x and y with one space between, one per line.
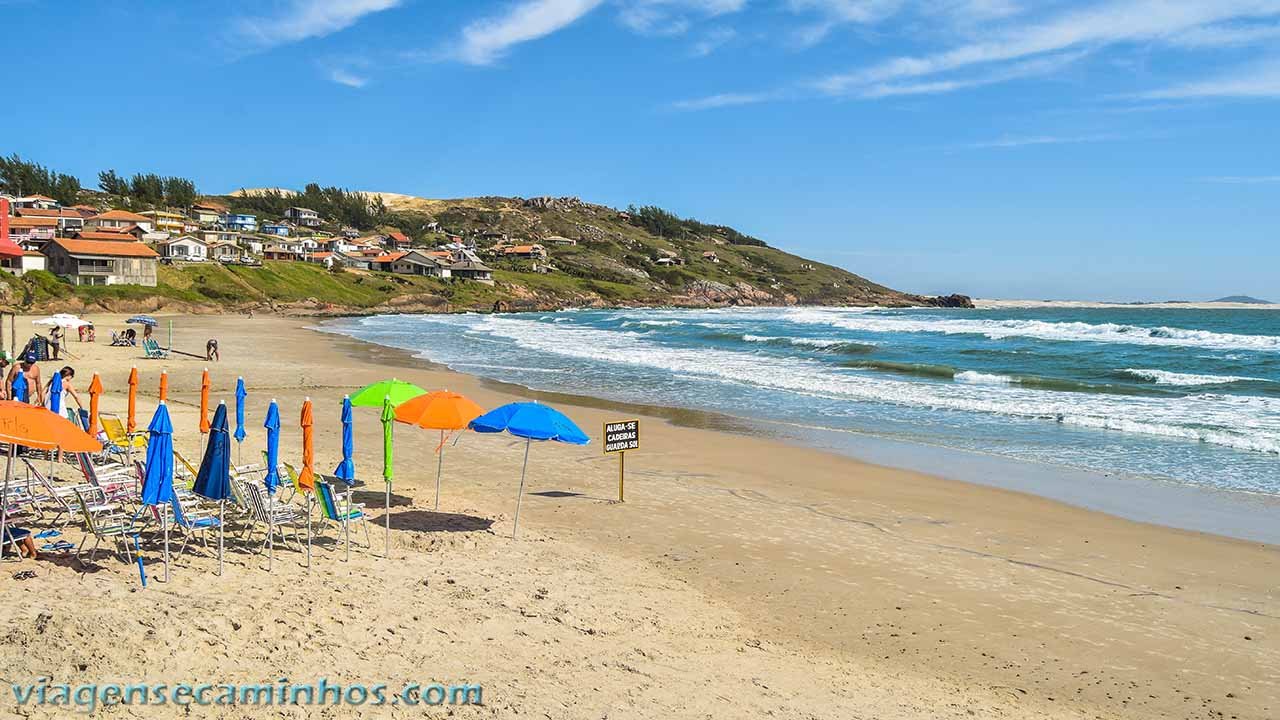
222 236
669 261
67 220
280 252
533 252
305 217
187 248
710 256
411 263
169 222
29 260
279 229
85 211
228 252
99 262
38 202
559 240
471 269
32 232
207 213
116 219
396 241
241 222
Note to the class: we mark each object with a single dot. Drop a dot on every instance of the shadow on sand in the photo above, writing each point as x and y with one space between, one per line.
428 521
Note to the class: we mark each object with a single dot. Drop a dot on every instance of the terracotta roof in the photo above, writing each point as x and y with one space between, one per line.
320 255
42 212
105 236
37 197
121 215
389 257
107 248
398 237
520 250
33 222
440 254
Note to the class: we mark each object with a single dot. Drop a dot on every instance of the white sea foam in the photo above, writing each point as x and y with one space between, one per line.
1165 377
976 378
800 341
1038 329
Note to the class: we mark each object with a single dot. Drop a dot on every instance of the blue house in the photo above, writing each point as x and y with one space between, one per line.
281 229
241 222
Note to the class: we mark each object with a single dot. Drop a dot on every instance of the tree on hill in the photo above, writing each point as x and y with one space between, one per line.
667 224
335 204
112 184
21 177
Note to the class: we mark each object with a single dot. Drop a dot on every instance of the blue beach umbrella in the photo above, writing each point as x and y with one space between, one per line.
20 390
142 320
213 481
347 468
157 483
55 393
240 396
272 424
531 421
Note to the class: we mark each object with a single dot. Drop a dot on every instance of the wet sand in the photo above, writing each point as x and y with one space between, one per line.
742 577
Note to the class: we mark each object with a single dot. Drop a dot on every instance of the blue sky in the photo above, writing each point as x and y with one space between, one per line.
1110 149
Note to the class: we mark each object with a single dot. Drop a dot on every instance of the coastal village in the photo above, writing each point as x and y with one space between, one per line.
88 245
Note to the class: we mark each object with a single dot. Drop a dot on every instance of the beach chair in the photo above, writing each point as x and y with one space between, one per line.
153 350
192 522
62 497
101 527
272 515
116 482
113 426
335 509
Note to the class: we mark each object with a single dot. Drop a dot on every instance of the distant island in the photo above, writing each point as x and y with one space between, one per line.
1243 299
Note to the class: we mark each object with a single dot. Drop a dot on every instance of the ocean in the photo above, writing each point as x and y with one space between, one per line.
1148 398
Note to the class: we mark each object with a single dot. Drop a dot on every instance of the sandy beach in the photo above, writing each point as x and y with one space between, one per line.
742 577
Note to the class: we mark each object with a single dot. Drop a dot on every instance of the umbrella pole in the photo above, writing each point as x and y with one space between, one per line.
439 467
4 501
222 506
346 524
386 552
309 532
516 525
271 535
164 520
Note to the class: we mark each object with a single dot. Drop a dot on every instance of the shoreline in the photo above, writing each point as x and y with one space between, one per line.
743 575
1000 304
1239 515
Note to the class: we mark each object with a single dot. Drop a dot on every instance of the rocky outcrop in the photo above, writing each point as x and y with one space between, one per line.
701 293
954 300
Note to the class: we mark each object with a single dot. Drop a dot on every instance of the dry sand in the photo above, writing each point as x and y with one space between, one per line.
742 578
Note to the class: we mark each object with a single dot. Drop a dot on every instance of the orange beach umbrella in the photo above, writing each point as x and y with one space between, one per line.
164 386
307 478
35 427
95 391
133 401
204 402
439 410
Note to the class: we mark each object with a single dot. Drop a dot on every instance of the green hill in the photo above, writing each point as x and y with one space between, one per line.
612 260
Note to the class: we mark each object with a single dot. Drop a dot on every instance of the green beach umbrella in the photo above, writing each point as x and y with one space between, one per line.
388 422
376 394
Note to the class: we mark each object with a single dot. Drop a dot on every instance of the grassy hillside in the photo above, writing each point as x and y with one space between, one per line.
613 263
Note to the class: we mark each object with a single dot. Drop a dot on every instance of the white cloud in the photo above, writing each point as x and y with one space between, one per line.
485 41
1226 35
304 19
712 41
672 17
1009 142
723 100
1259 80
346 77
934 86
1244 179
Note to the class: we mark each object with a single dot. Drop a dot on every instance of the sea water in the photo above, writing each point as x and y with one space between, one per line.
1175 396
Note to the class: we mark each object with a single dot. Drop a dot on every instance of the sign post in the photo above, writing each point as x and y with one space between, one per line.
619 437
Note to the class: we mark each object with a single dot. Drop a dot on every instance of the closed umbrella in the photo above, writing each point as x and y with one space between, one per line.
164 385
272 479
204 402
240 396
21 387
346 469
33 427
133 401
157 483
388 421
55 393
213 481
531 421
439 410
307 477
95 392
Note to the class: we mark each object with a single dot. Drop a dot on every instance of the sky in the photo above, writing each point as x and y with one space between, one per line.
1100 149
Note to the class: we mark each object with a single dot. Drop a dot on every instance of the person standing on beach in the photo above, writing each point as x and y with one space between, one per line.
30 373
68 374
55 341
211 351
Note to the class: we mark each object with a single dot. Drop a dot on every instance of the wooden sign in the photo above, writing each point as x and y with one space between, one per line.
621 436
